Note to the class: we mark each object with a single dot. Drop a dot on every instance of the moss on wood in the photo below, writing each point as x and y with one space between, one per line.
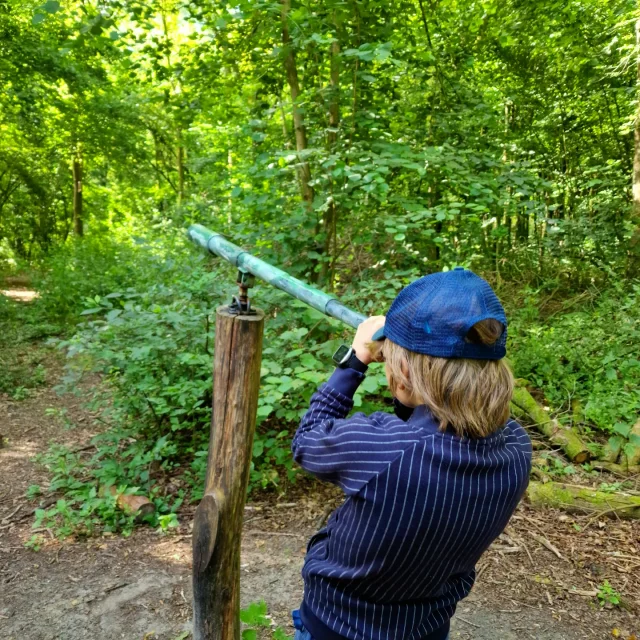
612 449
564 437
632 448
580 499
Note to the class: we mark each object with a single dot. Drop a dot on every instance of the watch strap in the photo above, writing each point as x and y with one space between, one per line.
355 363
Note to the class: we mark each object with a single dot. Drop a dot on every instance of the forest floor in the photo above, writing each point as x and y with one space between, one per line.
139 588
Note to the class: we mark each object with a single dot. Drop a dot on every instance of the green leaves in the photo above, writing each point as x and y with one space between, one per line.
586 354
256 618
622 429
468 141
49 7
608 595
254 614
370 52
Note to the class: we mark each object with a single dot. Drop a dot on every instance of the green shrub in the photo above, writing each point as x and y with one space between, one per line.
87 508
22 358
589 353
98 265
83 511
255 619
152 341
154 348
608 595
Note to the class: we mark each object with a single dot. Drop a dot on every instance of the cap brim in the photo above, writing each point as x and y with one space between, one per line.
378 335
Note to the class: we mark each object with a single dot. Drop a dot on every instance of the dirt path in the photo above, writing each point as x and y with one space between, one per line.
139 588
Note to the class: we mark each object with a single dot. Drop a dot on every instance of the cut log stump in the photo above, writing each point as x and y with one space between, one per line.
139 506
612 449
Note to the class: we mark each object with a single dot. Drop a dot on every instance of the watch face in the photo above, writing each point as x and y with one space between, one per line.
341 353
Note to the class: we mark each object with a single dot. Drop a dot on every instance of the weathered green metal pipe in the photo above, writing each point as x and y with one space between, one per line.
215 244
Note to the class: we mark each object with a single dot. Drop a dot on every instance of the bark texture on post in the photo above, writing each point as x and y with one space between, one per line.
78 227
218 522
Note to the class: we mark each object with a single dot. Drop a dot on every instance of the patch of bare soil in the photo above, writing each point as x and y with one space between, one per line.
538 581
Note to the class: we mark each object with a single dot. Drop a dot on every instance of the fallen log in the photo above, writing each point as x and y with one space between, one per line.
618 469
517 412
138 506
564 437
577 413
575 498
611 450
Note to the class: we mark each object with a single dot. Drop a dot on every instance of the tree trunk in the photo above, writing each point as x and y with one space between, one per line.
634 244
78 227
180 167
331 215
302 166
217 527
285 131
334 103
304 171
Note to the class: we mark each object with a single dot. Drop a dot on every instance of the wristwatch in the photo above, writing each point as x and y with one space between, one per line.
345 358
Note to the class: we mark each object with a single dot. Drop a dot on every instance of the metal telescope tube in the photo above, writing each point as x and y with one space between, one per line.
215 244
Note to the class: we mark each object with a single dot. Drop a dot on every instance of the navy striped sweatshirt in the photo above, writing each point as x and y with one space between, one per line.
421 507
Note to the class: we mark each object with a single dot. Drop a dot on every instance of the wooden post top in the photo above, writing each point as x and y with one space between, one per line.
224 310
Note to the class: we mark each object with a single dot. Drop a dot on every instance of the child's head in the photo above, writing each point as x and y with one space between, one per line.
444 348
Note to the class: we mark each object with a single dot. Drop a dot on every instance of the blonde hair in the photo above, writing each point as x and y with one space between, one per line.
471 397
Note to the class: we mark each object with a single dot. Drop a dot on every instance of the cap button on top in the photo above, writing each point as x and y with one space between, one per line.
458 269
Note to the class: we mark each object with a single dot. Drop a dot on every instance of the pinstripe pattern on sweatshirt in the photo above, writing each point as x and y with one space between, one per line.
421 507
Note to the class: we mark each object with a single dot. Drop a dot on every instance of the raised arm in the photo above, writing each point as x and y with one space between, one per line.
347 452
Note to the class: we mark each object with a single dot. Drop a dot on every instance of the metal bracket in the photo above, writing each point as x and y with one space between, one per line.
241 305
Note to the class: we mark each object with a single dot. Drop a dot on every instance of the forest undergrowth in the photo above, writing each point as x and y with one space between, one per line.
357 145
138 317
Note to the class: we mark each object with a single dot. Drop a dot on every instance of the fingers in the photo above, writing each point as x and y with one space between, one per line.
364 335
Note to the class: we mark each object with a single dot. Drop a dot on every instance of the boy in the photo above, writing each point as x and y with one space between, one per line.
427 490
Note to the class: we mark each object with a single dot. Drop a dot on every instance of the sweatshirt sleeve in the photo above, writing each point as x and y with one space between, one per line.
347 452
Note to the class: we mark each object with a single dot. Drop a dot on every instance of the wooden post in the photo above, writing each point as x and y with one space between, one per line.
218 522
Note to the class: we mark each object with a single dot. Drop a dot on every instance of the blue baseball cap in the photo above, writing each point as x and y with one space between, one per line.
434 314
